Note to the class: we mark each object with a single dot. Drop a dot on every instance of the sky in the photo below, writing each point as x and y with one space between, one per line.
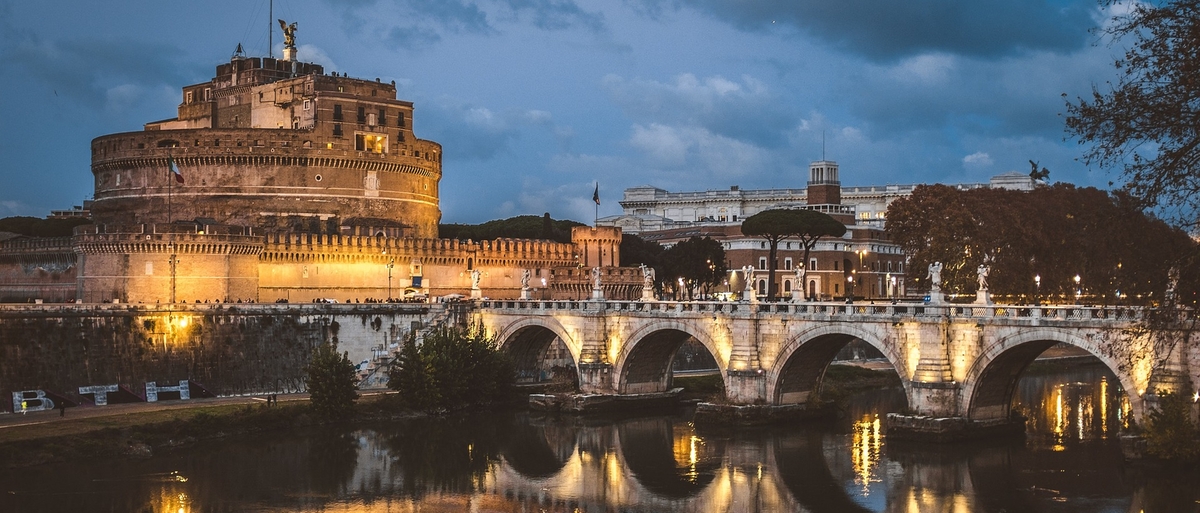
537 101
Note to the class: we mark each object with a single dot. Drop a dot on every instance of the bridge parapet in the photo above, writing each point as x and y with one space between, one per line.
998 314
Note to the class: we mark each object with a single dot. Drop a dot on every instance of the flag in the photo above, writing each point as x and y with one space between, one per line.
174 169
596 194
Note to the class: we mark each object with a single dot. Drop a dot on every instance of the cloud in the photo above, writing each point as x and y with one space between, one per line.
690 153
97 71
557 15
977 160
745 110
886 30
480 133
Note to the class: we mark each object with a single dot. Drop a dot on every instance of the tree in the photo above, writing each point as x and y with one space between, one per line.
1055 232
519 227
1146 122
700 262
332 382
808 226
451 368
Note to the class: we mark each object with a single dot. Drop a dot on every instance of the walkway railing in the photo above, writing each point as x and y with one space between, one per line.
826 309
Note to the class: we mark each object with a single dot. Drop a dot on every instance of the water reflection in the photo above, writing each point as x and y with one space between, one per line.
518 462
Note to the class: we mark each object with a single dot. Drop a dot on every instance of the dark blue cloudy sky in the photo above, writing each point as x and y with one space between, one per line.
534 100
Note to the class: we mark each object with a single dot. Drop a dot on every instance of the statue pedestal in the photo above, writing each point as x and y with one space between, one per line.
983 297
648 294
289 53
476 294
797 296
750 296
936 297
597 295
525 293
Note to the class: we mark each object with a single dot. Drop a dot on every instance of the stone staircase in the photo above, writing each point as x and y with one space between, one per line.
374 374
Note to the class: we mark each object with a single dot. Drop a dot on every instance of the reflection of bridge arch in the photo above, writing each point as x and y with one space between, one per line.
526 340
797 373
644 362
800 461
991 381
648 449
538 450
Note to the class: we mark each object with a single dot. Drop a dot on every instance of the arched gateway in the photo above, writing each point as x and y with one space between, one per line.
953 360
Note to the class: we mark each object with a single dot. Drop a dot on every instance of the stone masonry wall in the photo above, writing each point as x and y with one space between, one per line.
229 349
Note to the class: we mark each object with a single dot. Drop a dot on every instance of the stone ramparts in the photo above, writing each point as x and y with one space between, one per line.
227 348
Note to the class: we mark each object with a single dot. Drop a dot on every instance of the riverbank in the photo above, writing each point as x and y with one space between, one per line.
135 431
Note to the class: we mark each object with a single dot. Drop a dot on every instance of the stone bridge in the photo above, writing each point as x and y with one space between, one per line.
953 360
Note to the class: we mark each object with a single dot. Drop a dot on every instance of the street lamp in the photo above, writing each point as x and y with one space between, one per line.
1078 291
850 288
1037 296
893 288
391 263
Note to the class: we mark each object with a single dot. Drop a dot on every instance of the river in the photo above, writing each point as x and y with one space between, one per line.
518 462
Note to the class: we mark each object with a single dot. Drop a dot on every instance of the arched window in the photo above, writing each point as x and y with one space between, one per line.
812 289
787 285
762 287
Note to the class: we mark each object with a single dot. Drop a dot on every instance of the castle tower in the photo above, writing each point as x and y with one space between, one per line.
598 246
277 145
824 188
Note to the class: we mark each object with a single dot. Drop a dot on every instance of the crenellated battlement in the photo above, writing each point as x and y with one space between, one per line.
165 239
290 247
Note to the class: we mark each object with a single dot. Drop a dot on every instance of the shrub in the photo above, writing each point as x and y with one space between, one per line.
332 382
1171 433
453 367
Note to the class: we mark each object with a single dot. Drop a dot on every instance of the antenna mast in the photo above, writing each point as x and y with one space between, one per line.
822 145
271 29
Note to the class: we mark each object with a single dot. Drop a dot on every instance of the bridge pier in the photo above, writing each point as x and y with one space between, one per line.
747 387
595 378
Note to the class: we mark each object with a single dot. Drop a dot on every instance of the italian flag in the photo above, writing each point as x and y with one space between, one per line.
174 169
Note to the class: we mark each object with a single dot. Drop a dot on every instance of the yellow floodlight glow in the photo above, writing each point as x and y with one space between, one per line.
182 322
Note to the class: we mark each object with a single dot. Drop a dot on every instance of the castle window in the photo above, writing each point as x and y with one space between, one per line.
400 119
787 264
362 115
208 94
307 104
762 262
812 264
216 142
382 116
337 129
370 142
187 97
337 112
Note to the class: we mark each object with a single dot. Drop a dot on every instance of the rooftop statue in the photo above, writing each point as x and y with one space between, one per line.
289 34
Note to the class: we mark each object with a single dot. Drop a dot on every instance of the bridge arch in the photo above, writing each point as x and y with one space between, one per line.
797 373
643 363
527 339
991 380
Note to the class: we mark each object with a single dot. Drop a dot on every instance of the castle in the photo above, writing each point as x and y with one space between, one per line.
277 181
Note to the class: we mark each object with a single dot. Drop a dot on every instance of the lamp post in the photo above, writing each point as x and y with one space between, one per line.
1037 295
861 253
892 279
850 288
1078 290
391 263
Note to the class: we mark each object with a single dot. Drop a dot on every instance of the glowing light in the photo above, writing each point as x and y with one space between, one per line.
182 322
865 451
1103 407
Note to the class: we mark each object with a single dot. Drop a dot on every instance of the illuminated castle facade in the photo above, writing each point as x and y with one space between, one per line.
293 184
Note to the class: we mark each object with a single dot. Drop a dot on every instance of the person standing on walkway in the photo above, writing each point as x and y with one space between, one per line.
24 407
62 409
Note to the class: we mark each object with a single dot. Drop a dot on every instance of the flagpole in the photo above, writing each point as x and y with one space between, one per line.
171 233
